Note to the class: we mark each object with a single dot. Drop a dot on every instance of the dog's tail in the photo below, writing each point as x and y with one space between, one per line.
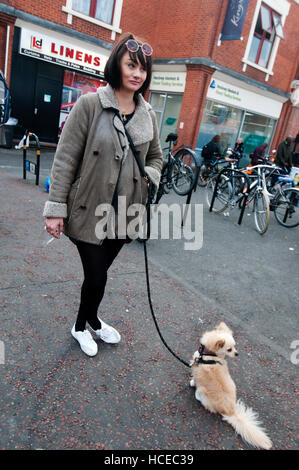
245 422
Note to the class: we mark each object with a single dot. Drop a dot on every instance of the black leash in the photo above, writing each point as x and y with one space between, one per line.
199 360
153 313
201 349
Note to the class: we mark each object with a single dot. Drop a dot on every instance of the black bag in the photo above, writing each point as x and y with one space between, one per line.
208 151
205 153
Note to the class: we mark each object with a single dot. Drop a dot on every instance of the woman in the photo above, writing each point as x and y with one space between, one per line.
94 166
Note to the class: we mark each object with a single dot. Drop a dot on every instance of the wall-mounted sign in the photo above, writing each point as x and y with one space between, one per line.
242 98
168 81
234 19
66 54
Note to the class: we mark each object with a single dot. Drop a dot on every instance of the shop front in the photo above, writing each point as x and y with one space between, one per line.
166 94
50 71
233 111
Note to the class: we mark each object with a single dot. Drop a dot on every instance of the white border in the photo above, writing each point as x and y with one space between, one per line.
114 27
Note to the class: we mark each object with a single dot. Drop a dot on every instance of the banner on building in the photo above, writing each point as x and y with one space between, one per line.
234 19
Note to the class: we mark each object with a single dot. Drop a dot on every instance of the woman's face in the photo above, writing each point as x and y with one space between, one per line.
133 75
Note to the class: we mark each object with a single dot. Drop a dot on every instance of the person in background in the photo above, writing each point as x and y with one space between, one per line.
238 150
212 150
295 156
258 154
283 156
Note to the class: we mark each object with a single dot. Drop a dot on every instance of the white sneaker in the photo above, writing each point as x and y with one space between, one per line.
86 341
107 333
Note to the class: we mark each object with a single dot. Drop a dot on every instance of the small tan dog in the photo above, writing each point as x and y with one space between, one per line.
216 390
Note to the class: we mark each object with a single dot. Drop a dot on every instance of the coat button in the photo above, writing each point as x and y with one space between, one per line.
117 157
96 152
135 179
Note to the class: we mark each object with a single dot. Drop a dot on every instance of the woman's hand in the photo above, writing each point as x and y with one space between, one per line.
54 226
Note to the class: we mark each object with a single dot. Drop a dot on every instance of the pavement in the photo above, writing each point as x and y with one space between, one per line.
134 395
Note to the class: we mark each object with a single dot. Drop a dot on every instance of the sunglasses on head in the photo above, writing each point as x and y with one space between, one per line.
133 46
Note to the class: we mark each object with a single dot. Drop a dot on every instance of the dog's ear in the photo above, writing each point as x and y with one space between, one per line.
219 344
223 327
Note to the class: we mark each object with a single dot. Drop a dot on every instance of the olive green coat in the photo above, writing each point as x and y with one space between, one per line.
87 162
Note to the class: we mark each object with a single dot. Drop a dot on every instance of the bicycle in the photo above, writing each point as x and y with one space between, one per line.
285 202
231 191
176 173
210 169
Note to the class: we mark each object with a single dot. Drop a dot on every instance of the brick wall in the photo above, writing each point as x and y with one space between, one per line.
191 29
183 29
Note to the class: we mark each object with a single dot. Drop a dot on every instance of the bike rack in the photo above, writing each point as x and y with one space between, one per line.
193 189
225 171
28 165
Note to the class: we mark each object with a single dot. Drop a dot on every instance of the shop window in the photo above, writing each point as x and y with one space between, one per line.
105 13
268 26
265 35
256 130
231 123
222 120
74 85
167 107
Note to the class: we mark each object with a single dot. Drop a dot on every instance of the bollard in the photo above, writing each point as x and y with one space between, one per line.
28 165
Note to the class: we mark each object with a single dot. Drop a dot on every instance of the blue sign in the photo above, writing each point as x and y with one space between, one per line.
234 19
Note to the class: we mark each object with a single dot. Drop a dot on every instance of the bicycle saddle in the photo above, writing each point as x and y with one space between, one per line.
172 137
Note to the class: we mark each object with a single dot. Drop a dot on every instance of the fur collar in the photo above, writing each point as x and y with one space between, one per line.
140 127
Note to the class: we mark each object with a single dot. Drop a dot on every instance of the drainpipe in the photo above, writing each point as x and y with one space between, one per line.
6 51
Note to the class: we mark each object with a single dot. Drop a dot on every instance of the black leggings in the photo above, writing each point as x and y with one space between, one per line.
96 260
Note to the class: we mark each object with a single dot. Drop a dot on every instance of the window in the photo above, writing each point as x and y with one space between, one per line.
231 123
104 13
256 130
99 9
268 26
167 107
222 120
265 35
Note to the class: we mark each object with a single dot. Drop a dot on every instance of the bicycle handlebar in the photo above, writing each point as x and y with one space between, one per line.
273 167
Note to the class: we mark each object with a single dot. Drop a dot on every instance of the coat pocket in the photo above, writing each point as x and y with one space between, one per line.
144 191
72 196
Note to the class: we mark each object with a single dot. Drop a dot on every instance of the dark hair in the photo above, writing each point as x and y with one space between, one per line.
112 72
216 138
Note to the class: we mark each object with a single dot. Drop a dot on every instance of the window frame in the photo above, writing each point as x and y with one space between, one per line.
281 10
263 37
93 9
115 20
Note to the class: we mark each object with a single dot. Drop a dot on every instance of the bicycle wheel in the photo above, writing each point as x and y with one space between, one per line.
261 210
223 194
286 208
186 157
203 176
182 179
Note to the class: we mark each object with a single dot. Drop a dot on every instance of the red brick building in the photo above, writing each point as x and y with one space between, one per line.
204 82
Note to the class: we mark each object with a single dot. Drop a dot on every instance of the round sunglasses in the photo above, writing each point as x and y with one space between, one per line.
133 46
